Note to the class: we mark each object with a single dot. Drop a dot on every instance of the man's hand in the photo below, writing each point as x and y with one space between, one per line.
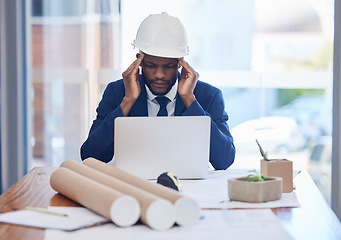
187 83
131 85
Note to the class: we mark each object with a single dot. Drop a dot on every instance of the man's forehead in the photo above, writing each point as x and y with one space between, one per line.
159 60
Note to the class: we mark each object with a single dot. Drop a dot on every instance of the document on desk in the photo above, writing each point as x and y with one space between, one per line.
77 218
213 224
212 192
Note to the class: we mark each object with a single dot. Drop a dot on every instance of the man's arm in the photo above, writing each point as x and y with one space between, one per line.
116 102
131 85
222 150
187 83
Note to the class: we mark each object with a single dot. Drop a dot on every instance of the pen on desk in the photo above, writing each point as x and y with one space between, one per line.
262 151
46 211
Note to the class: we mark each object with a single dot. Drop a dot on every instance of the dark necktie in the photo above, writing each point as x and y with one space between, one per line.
163 101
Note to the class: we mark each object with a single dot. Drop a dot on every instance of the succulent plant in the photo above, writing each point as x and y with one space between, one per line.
255 176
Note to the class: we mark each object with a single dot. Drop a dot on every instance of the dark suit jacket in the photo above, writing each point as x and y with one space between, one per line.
209 102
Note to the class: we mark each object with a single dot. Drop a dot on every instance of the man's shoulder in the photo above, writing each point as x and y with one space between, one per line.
116 83
206 87
115 86
114 91
206 94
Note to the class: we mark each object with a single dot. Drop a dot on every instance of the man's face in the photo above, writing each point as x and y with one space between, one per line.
159 73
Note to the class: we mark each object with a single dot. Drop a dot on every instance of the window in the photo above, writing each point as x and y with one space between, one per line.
71 43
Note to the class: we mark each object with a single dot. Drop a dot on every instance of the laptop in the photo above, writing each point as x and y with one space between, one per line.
150 146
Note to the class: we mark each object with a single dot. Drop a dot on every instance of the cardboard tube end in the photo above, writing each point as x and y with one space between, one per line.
160 215
187 211
125 211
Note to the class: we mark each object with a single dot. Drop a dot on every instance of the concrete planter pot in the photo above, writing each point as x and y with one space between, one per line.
240 189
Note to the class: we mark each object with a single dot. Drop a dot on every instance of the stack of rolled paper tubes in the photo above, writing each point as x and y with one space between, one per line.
123 197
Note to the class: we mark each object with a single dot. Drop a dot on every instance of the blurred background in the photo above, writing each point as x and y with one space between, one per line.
272 60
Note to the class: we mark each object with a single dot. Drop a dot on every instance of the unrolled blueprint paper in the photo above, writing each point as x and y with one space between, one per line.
214 224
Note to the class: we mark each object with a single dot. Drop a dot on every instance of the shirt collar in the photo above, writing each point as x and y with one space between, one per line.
171 94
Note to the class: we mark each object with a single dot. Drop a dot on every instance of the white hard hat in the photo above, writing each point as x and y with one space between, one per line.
163 36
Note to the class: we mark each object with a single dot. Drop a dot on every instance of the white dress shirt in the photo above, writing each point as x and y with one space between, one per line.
153 105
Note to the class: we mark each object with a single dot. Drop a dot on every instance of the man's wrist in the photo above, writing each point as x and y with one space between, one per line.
126 104
188 99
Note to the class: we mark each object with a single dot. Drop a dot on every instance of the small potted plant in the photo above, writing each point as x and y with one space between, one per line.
255 188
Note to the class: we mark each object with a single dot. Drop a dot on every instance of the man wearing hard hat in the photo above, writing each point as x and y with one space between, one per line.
160 91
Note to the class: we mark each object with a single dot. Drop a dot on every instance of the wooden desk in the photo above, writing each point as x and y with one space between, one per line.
313 220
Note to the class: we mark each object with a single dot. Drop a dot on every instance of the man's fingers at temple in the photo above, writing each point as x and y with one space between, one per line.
184 73
135 65
187 69
133 69
185 65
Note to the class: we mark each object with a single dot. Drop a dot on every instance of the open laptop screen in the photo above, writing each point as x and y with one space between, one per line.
149 146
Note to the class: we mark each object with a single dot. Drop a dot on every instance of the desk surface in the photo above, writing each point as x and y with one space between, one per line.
313 220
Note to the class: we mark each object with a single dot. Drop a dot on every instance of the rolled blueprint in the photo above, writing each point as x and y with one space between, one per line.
122 209
156 212
187 211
